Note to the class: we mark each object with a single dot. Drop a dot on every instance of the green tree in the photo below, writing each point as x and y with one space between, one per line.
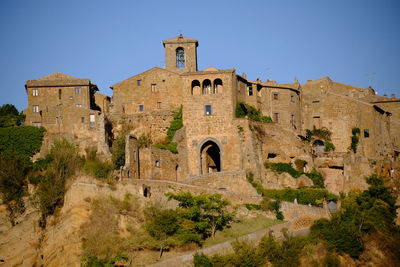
163 226
208 212
9 116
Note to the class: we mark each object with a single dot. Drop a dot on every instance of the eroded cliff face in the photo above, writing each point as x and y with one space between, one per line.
26 244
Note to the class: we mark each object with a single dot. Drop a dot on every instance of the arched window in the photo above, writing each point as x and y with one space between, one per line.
180 57
217 86
196 87
206 87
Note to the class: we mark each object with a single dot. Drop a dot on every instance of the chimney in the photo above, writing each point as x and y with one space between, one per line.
392 96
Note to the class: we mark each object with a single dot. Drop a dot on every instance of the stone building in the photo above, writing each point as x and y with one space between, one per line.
68 107
213 144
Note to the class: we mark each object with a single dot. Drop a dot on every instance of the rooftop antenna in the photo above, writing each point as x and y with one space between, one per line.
267 69
371 79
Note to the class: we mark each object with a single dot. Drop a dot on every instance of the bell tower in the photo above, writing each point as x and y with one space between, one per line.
181 54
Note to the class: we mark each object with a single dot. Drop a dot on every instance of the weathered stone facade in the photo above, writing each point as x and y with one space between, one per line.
68 107
212 140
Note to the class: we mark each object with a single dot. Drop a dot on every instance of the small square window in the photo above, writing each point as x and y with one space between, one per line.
276 117
159 105
208 110
366 133
141 108
275 96
78 91
35 92
157 163
139 82
35 108
153 88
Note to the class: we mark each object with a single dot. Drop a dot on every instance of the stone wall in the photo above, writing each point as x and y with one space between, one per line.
232 181
158 164
340 113
154 90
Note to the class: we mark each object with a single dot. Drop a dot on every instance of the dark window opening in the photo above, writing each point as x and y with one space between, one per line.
180 57
139 82
292 98
217 86
366 133
141 108
249 90
271 155
208 110
276 117
275 96
195 87
59 94
83 119
157 163
206 87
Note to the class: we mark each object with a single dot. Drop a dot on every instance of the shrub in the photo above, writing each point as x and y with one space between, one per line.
50 192
354 139
299 163
24 140
175 124
322 133
282 167
242 110
12 183
286 253
118 151
98 168
303 195
329 146
101 234
316 177
252 206
144 141
93 261
373 210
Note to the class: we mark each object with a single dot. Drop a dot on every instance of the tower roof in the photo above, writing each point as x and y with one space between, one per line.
180 39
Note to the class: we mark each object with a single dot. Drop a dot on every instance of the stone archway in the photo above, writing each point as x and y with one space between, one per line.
210 157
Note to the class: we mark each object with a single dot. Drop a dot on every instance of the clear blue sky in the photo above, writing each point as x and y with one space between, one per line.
352 41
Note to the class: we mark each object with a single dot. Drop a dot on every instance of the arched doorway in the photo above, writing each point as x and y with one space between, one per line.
210 157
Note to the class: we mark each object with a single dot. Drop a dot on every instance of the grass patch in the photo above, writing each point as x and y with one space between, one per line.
241 226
